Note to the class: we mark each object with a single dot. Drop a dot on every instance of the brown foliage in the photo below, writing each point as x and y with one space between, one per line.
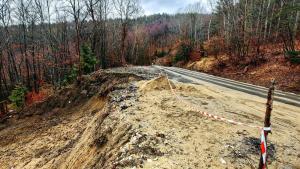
215 46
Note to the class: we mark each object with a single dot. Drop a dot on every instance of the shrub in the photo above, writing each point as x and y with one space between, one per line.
71 77
293 53
214 46
17 96
88 59
295 60
161 54
183 53
293 56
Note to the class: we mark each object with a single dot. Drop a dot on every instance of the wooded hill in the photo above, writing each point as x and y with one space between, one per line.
53 42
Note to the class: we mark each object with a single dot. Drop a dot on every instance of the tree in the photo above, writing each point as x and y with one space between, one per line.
77 10
89 60
125 9
287 26
194 11
23 15
98 11
6 21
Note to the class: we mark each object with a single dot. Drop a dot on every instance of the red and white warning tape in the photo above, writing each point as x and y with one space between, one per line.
193 106
263 145
263 130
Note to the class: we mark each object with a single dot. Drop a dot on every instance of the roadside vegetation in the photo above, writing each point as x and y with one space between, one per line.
17 96
50 43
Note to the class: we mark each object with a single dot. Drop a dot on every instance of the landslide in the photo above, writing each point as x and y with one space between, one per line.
116 120
73 128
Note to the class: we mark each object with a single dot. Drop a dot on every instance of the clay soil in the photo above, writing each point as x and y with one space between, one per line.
124 120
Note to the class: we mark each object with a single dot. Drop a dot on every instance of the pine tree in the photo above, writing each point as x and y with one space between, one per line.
88 59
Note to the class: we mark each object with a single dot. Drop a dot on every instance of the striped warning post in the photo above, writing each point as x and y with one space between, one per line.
263 145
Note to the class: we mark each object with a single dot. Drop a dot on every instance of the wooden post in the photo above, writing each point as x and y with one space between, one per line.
267 122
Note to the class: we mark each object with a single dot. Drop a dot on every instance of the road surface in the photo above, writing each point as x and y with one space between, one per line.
280 96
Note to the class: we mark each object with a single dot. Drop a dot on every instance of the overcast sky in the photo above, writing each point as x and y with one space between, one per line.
166 6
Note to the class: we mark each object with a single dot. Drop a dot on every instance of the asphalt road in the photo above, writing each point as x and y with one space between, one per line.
190 76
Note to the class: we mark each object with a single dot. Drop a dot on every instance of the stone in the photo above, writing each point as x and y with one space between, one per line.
222 161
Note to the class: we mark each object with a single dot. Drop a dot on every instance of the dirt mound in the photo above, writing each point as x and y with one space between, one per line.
75 128
97 84
160 83
205 65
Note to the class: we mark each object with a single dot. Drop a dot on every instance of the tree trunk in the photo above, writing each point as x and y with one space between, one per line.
278 21
270 27
296 24
78 47
208 32
35 77
124 35
266 21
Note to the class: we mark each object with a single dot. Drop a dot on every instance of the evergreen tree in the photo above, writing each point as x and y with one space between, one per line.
88 59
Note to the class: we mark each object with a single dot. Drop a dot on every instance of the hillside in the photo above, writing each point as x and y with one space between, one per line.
129 118
273 64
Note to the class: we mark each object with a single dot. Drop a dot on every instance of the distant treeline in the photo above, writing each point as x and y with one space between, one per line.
41 40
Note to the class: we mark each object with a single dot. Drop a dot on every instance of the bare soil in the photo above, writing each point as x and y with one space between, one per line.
194 141
115 119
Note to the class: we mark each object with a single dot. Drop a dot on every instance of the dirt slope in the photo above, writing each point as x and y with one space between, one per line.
194 141
73 129
114 120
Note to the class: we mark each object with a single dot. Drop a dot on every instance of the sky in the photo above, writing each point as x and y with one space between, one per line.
166 6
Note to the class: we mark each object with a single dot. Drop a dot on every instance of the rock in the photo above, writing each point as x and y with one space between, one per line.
99 142
134 140
193 128
244 132
222 161
161 135
123 106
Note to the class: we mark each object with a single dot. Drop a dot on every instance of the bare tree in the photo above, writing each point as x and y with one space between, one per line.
91 8
23 15
6 21
195 11
126 10
77 10
212 4
267 19
98 11
296 18
33 45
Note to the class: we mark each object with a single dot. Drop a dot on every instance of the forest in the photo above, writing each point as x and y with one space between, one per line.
54 42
